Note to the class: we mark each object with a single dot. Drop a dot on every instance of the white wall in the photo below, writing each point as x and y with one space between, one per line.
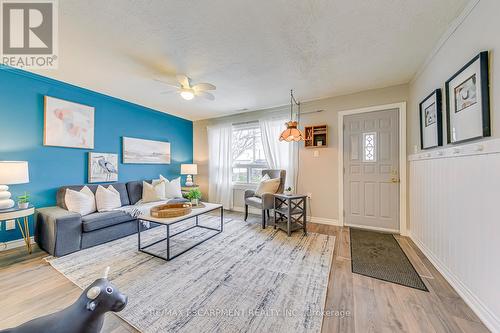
478 32
317 175
454 216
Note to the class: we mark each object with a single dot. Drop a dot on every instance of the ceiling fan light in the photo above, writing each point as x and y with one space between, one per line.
292 133
187 94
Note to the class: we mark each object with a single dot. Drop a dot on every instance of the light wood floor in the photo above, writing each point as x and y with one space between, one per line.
29 288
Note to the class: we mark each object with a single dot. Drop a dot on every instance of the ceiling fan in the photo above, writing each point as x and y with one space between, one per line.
189 91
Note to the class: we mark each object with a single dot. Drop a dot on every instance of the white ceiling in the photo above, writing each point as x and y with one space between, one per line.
254 51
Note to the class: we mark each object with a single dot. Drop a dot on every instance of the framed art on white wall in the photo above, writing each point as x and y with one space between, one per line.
431 124
468 102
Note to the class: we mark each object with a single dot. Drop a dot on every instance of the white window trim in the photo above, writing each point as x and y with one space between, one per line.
247 126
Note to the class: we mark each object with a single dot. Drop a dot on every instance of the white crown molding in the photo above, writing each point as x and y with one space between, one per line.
444 38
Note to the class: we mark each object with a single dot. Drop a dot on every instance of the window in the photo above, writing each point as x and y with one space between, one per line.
248 153
369 147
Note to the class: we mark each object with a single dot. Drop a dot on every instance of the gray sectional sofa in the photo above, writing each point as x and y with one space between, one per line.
60 232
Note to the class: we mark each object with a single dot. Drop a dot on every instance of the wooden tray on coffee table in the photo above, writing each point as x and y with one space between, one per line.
171 210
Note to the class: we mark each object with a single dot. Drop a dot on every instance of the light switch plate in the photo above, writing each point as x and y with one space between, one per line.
316 153
10 225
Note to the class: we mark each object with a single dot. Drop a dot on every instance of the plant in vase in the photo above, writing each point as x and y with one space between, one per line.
289 190
194 195
23 201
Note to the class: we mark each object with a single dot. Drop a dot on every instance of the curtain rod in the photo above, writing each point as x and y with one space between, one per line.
315 111
245 122
256 121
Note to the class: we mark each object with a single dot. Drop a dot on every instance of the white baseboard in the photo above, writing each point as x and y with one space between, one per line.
487 317
324 220
313 219
14 243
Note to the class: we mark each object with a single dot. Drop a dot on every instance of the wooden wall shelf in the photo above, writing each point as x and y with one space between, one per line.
316 136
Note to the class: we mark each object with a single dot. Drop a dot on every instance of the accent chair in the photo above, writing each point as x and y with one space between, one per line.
266 201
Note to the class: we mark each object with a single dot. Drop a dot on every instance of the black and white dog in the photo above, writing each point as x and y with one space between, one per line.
86 315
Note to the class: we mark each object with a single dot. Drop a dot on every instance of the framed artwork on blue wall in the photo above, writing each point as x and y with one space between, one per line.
468 101
431 124
68 124
141 151
103 167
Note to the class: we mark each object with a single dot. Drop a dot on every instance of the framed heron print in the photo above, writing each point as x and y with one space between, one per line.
431 124
468 101
103 167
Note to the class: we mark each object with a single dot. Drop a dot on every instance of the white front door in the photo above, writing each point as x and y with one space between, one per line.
371 170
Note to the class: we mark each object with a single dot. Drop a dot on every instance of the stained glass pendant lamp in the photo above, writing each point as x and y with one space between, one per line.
292 133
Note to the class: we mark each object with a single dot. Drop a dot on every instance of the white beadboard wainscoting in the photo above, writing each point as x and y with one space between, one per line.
455 220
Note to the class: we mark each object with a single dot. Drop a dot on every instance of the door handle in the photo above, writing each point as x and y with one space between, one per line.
394 176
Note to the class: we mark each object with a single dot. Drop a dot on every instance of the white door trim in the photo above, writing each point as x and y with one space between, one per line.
402 158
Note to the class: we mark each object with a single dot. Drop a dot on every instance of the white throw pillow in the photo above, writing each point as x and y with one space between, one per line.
107 198
81 202
172 188
267 185
265 177
153 192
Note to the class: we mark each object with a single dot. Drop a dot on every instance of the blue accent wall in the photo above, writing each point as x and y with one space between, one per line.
21 136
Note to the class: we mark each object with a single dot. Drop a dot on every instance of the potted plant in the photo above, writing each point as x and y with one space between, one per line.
289 190
194 195
23 201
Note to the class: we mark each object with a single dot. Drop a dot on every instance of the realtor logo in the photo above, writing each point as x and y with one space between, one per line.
29 33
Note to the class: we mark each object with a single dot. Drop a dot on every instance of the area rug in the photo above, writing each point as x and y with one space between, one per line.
379 255
243 280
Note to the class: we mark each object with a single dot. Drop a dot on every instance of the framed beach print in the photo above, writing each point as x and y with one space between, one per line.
140 151
431 124
103 167
68 124
468 101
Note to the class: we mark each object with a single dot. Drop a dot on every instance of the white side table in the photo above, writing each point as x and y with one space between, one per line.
22 218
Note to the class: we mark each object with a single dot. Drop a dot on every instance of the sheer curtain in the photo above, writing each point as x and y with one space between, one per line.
220 188
279 154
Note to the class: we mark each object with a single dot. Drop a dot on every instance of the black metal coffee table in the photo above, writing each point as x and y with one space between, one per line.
168 222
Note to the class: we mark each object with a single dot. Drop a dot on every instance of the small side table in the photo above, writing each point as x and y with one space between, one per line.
290 212
22 218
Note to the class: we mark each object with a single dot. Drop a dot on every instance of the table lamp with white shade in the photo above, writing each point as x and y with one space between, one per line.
11 172
189 170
